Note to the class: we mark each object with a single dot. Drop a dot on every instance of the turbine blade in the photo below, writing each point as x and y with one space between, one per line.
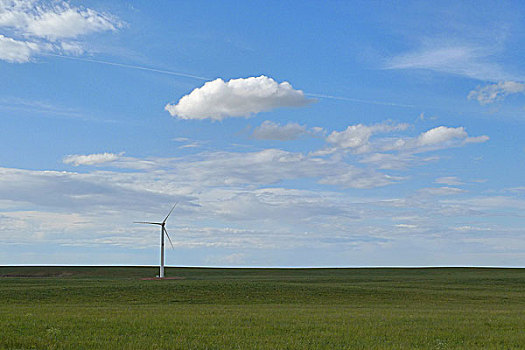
169 239
146 222
170 212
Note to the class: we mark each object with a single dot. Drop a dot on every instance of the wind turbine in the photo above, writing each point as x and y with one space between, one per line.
162 232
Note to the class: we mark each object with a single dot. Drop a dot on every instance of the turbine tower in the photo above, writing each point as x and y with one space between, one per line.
162 232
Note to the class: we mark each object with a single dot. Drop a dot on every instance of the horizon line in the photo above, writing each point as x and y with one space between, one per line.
283 267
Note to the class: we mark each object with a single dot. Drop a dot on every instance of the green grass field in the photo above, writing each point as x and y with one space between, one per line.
112 308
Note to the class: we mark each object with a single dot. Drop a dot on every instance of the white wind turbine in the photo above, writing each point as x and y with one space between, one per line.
162 232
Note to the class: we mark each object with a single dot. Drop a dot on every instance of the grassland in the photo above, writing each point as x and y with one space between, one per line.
112 308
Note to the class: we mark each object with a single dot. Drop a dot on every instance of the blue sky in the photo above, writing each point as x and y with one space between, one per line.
290 133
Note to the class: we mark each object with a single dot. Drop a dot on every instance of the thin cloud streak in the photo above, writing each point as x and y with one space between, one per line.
186 75
129 66
381 103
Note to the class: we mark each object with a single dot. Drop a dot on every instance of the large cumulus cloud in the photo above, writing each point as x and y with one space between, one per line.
242 97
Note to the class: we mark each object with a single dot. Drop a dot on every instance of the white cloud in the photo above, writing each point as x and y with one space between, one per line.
269 130
358 178
437 138
496 92
242 97
440 135
91 159
189 143
449 180
442 191
357 136
392 153
37 26
15 51
406 226
468 228
357 139
477 139
115 161
67 22
57 21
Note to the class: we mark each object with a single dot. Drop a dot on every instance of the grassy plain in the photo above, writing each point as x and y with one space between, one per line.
112 308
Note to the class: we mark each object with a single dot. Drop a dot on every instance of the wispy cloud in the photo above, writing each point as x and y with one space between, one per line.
272 166
91 159
465 60
226 197
442 191
97 208
496 92
38 108
449 180
269 130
